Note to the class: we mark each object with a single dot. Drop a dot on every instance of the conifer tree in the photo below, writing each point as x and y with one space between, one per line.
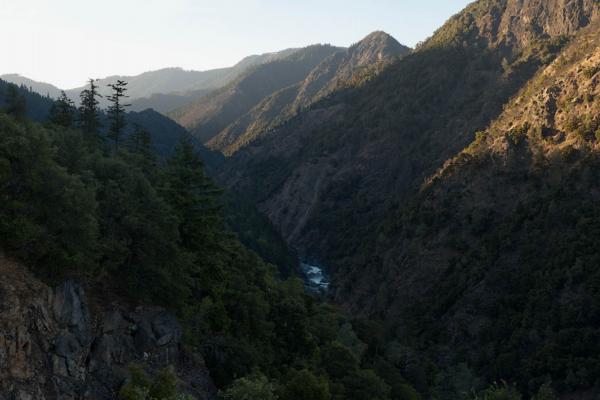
140 144
62 112
116 112
140 140
16 105
195 198
88 112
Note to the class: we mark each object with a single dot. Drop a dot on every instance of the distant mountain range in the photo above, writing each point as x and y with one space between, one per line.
229 106
164 89
44 89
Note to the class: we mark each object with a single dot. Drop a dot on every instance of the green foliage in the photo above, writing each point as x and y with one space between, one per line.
155 232
497 391
591 71
116 112
194 199
404 391
161 386
364 384
16 104
529 260
36 106
257 233
455 383
545 393
517 135
62 112
250 388
301 385
348 338
139 238
36 193
338 361
89 120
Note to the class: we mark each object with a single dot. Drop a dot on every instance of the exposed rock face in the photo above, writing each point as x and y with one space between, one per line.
525 21
53 347
513 24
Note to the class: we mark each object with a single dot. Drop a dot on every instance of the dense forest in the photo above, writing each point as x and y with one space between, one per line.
153 230
449 191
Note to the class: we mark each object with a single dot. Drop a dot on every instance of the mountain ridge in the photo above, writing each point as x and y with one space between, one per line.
385 137
505 228
362 60
180 85
206 117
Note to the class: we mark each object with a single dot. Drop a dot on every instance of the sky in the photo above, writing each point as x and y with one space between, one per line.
65 42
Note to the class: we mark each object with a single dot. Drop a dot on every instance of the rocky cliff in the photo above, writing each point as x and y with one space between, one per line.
57 344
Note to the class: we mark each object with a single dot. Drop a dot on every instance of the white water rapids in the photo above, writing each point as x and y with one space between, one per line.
314 278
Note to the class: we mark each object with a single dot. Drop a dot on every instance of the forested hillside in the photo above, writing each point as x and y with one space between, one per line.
328 175
503 237
142 231
472 268
448 194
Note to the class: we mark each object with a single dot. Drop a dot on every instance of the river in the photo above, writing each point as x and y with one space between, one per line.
315 279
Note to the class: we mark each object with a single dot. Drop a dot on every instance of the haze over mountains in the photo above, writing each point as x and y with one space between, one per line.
450 193
163 90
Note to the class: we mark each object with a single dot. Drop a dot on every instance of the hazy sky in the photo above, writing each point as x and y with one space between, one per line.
64 42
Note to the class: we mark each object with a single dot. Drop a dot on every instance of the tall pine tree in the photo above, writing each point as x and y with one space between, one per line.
116 112
140 146
89 120
62 112
194 198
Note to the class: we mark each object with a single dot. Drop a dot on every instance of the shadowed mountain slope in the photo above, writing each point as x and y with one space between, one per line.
332 171
351 67
206 117
495 257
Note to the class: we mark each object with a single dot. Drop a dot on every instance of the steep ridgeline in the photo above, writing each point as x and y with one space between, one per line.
344 68
174 94
326 177
211 114
166 102
497 258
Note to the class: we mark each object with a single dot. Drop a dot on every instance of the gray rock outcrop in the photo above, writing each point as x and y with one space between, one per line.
53 347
